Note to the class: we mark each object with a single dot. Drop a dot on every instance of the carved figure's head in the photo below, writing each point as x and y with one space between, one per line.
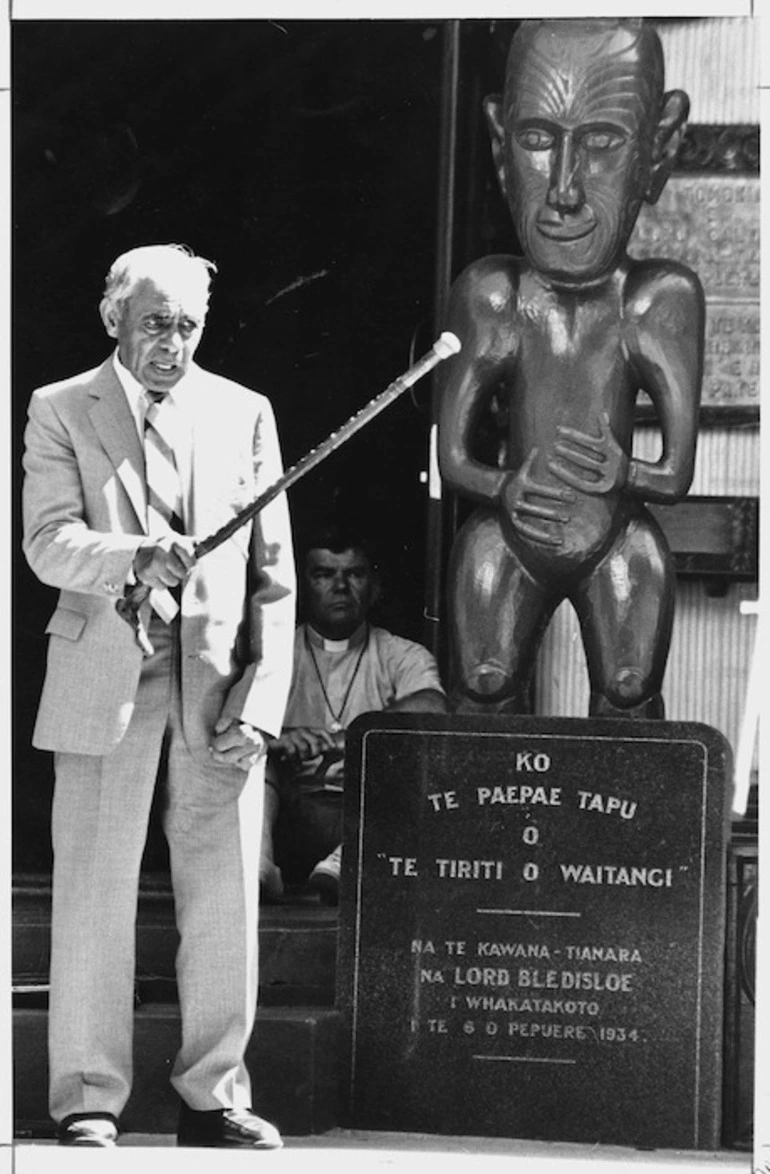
582 135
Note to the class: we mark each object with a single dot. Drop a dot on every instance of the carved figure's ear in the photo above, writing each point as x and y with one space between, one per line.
493 108
668 137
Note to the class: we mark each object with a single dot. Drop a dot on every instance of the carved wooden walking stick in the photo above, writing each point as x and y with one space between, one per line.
448 344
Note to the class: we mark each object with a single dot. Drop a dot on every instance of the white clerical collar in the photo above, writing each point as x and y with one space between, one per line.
319 641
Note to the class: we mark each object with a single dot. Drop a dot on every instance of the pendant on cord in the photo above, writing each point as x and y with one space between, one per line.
336 724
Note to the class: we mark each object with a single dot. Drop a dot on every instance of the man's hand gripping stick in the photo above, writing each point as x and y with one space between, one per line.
448 344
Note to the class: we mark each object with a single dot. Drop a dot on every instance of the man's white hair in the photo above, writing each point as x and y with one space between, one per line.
154 262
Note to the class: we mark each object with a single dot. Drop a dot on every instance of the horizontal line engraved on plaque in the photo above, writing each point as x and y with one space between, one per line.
530 912
527 1059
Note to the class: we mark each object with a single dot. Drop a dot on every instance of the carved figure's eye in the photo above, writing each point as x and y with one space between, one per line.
533 138
601 140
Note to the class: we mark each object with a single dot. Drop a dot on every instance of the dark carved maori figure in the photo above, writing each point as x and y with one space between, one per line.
565 337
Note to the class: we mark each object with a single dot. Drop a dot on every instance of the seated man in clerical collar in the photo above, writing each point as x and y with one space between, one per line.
343 666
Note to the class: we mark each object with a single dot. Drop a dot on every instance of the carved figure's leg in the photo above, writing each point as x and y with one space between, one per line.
626 610
498 614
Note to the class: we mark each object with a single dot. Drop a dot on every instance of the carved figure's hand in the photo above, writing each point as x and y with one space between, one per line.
515 497
301 743
591 464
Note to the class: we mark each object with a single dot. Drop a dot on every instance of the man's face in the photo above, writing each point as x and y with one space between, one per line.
158 331
340 590
577 154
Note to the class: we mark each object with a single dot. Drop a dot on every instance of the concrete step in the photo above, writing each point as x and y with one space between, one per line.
292 1059
298 944
293 1054
352 1151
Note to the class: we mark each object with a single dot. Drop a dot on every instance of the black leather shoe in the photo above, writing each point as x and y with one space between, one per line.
230 1128
92 1129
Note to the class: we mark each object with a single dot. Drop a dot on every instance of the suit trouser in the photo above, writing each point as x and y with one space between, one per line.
212 821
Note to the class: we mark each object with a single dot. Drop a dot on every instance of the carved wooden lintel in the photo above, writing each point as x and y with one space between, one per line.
726 149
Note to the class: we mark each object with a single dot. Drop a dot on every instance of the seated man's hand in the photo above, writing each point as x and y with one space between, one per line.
301 743
237 744
165 562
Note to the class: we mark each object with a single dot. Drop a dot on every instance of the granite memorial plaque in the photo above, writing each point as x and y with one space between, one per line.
532 928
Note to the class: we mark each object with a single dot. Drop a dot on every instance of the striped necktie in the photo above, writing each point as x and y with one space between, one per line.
164 488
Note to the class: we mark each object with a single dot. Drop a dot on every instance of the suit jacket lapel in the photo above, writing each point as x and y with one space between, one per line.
221 475
187 440
205 472
116 429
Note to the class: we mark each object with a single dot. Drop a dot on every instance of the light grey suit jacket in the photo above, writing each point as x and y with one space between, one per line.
85 513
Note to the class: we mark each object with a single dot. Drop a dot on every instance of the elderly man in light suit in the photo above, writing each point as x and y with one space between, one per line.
194 714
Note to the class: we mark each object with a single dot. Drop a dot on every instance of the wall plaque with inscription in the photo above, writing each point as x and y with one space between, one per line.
711 224
532 928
